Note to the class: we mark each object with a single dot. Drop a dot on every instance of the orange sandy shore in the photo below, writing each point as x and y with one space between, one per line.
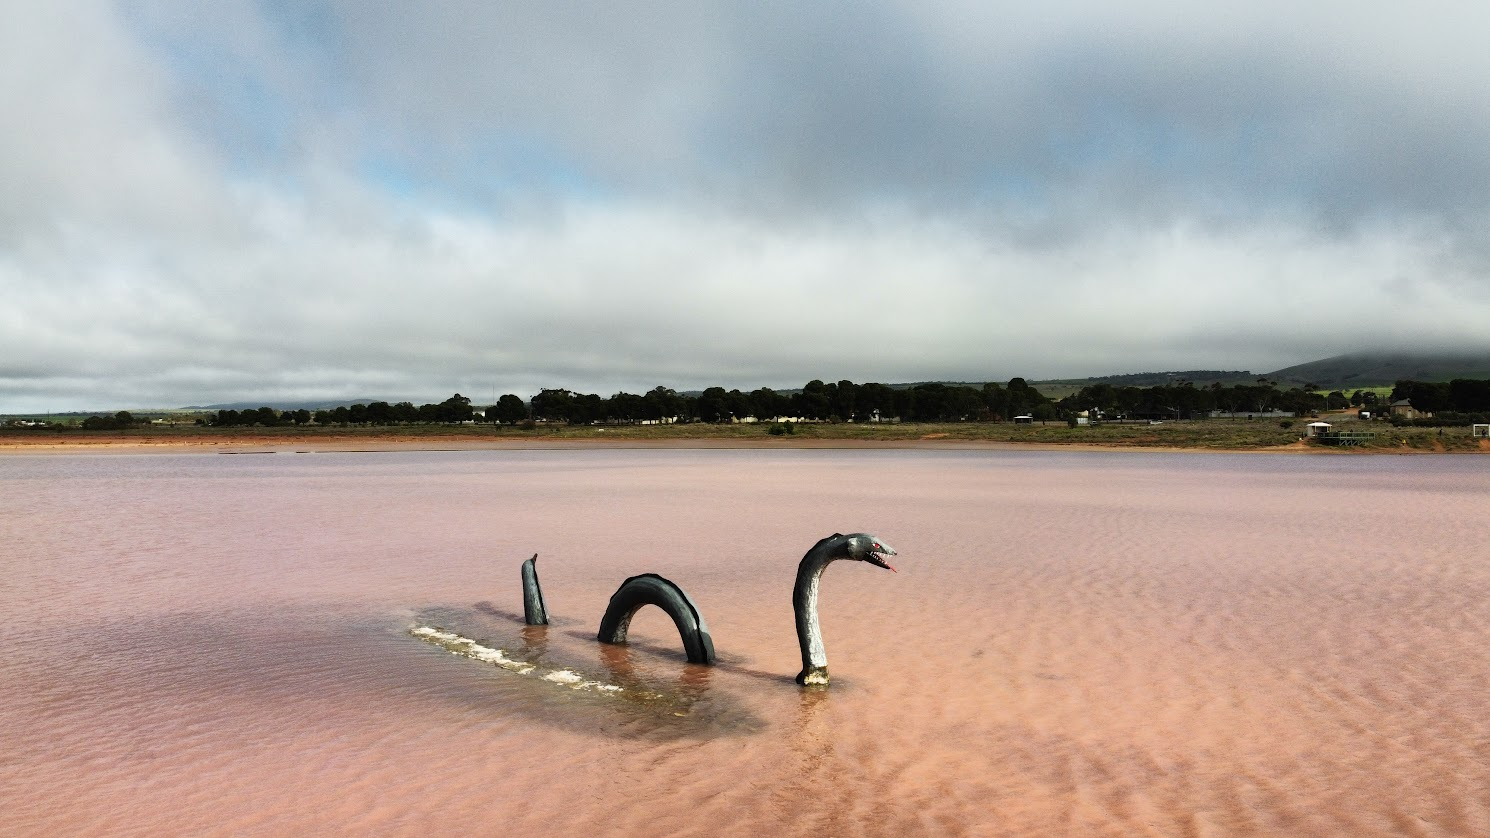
250 443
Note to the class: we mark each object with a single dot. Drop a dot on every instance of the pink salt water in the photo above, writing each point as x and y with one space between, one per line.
1075 644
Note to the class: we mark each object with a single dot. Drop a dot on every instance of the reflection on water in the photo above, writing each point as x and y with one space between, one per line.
678 698
819 766
1076 644
813 733
535 640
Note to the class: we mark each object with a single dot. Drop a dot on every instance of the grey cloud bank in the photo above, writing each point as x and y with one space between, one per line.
203 204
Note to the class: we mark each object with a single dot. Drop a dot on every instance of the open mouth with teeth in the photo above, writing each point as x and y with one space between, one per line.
876 556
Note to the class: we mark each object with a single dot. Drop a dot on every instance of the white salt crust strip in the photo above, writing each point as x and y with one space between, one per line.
466 647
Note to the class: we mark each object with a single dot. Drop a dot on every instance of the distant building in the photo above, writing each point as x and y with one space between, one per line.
1404 408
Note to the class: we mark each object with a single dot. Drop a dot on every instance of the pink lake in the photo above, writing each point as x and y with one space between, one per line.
1076 644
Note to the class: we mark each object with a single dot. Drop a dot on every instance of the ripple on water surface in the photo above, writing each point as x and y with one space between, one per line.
1075 644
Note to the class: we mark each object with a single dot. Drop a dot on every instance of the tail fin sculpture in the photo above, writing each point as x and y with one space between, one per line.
534 614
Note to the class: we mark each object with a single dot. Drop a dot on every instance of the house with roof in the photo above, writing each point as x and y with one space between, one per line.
1404 408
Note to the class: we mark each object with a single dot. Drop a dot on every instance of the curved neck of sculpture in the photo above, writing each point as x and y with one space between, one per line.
809 633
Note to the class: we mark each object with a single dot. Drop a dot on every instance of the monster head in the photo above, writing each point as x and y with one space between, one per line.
863 547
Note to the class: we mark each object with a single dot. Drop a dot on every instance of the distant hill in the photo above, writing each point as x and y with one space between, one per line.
1342 372
1384 369
1200 378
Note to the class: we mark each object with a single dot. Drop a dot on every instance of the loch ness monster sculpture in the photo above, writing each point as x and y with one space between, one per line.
534 613
651 589
859 547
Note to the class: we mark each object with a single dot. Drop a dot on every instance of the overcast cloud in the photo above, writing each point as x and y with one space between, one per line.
225 202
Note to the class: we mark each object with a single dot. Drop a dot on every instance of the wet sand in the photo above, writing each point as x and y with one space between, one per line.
1077 643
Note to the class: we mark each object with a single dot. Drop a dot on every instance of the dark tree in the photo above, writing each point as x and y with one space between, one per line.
1468 395
768 404
624 407
661 403
553 405
380 413
875 398
509 408
457 408
713 405
844 401
1429 397
739 404
118 422
588 408
812 402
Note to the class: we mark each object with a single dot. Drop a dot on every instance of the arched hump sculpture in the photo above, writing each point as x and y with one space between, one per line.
861 547
534 614
651 589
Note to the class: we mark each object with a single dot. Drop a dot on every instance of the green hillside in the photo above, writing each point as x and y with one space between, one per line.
1383 369
1199 378
1342 372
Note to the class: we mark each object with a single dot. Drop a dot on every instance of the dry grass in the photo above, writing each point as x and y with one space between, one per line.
1215 435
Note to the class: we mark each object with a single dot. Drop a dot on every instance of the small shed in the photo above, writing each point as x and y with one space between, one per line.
1316 428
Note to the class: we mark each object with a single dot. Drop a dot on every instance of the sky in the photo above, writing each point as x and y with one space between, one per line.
239 201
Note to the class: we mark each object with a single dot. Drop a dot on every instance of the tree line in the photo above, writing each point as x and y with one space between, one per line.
455 409
1462 401
816 401
843 401
118 422
1461 395
1451 401
1183 400
847 401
